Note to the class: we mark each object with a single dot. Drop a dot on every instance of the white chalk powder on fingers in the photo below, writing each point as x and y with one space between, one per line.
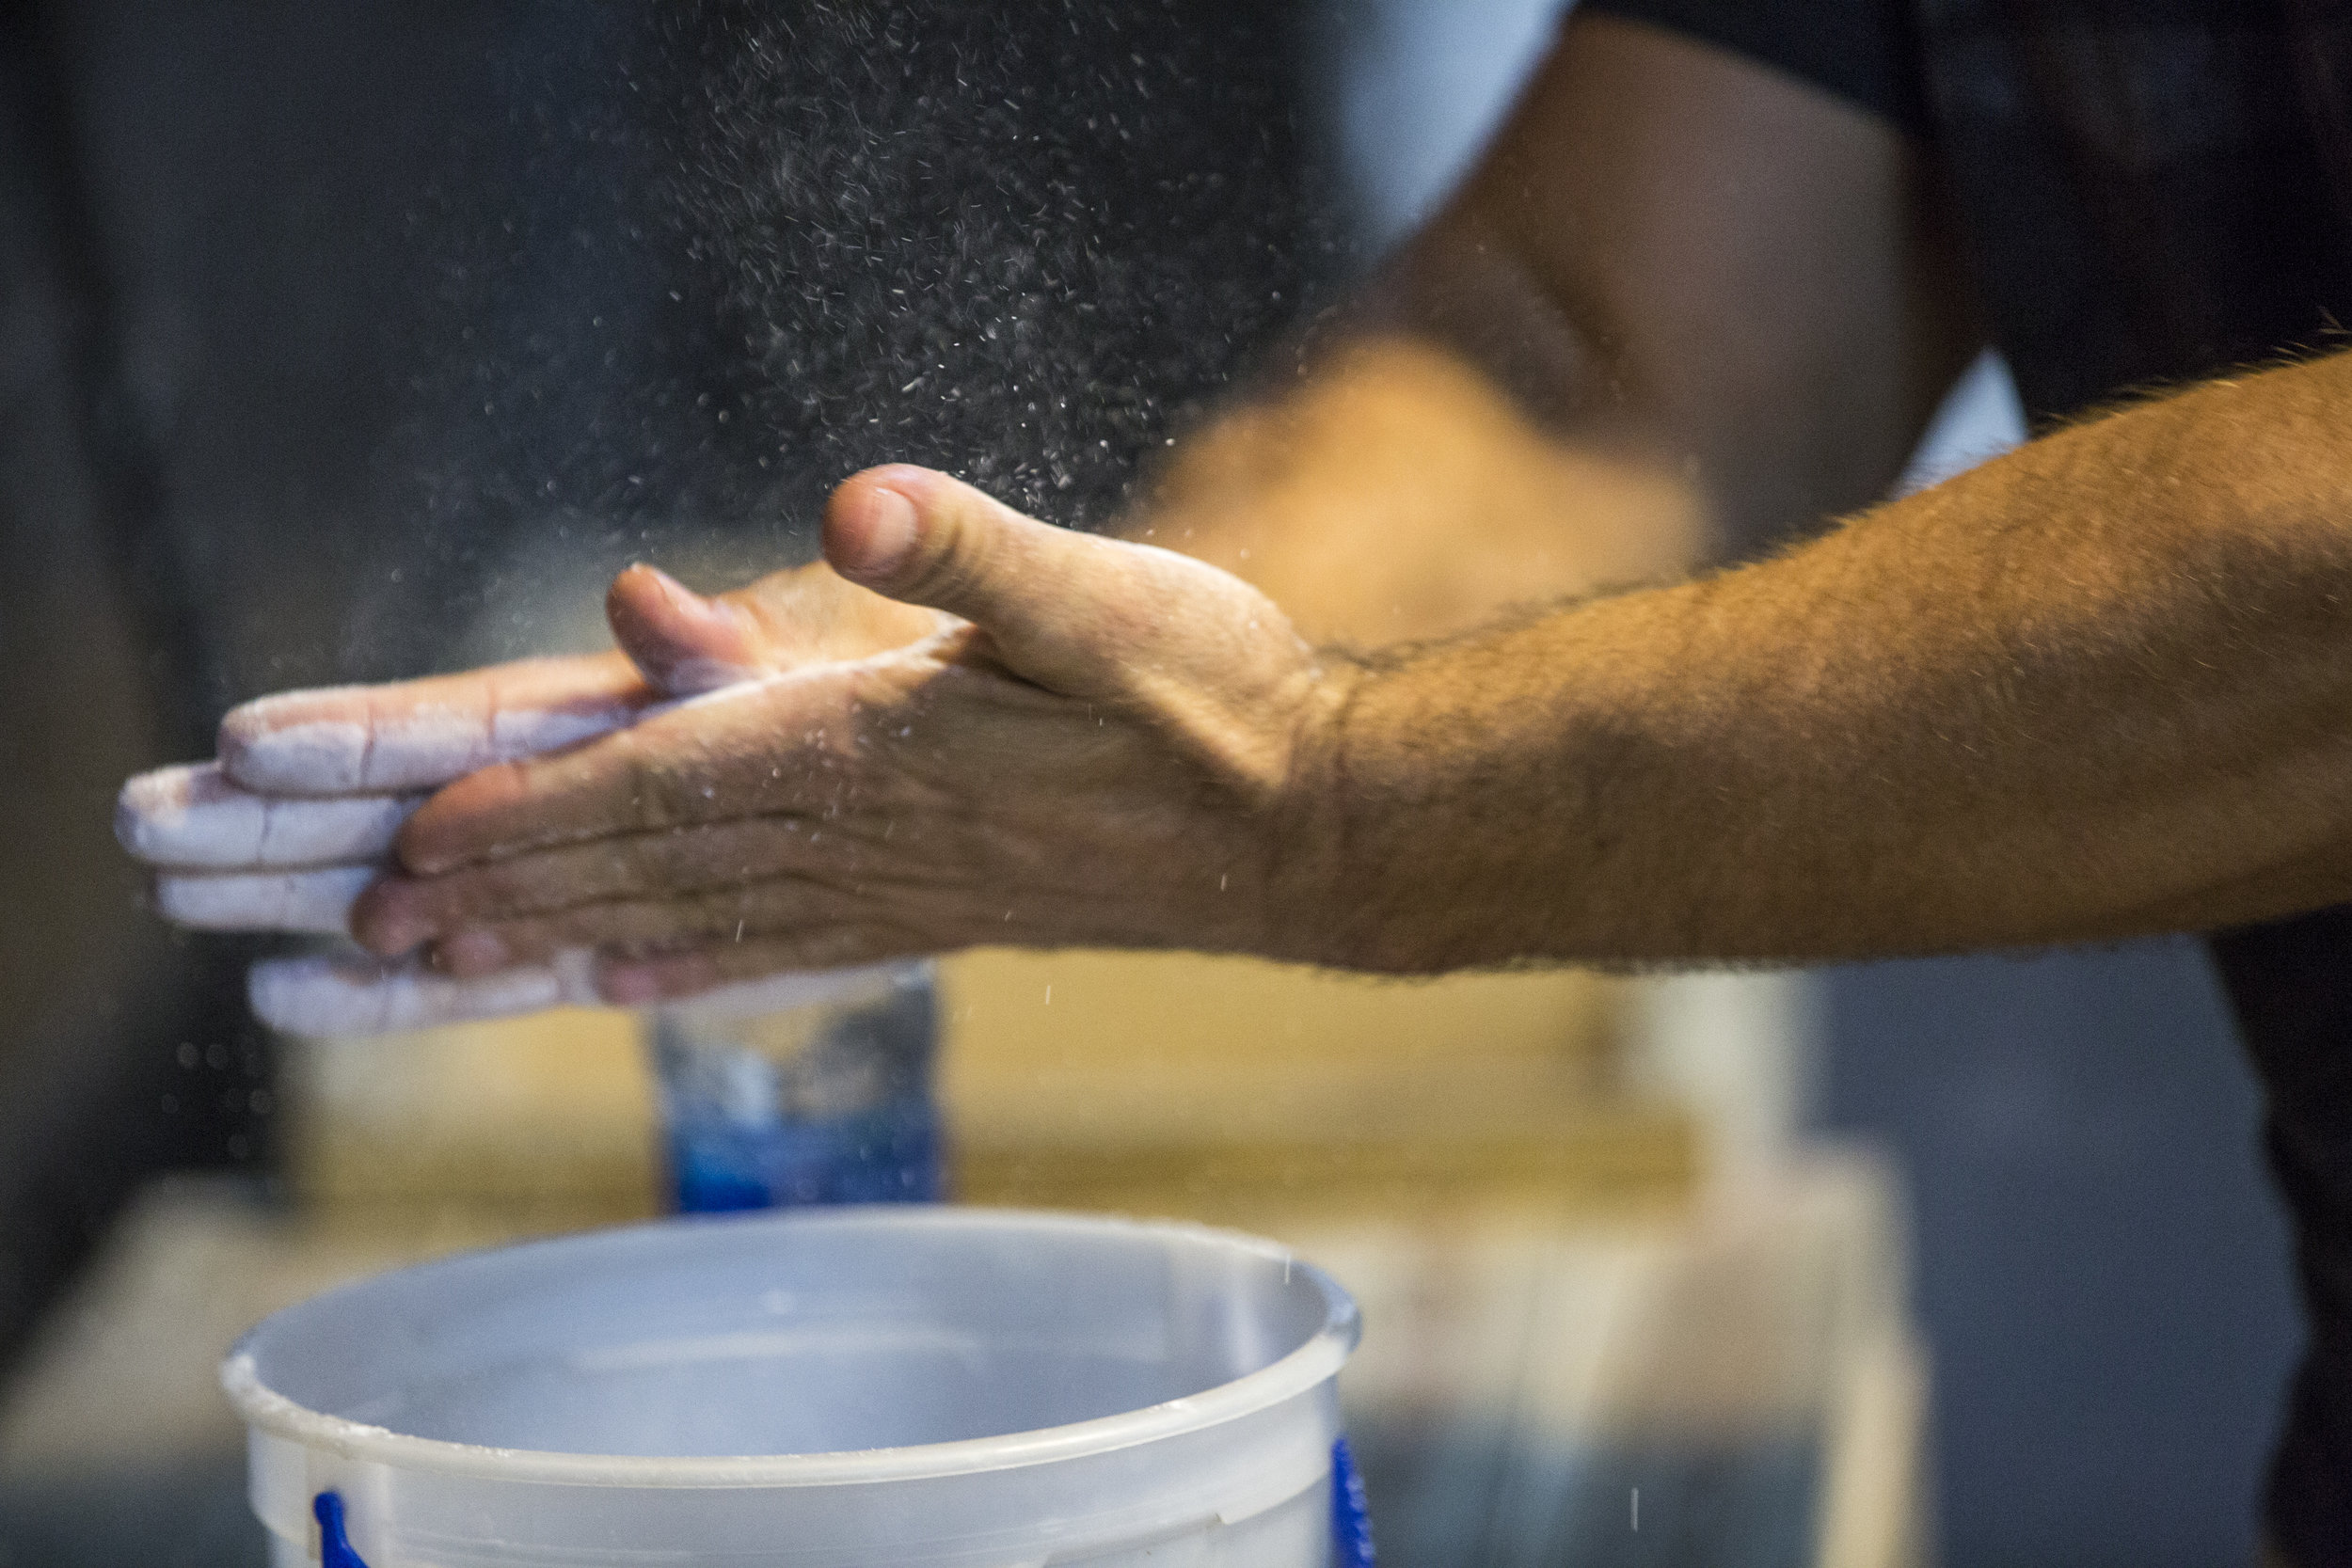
355 995
309 901
193 817
266 751
340 742
528 732
692 677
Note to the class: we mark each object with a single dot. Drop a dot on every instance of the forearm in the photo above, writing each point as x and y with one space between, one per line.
1490 421
1569 383
1397 491
2096 688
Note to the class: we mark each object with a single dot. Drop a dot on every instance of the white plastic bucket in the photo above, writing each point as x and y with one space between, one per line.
832 1389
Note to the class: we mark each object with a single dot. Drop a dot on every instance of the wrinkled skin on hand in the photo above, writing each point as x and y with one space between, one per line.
1093 742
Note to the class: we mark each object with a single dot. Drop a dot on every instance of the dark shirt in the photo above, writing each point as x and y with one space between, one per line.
2150 193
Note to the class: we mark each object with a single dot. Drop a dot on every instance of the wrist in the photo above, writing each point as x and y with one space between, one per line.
1450 796
1308 830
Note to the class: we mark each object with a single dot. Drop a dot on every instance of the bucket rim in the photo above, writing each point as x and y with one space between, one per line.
1318 1360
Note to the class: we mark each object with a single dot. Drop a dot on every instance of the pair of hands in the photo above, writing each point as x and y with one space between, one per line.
965 726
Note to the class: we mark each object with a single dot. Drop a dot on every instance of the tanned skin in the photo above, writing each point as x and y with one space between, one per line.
1687 307
2098 688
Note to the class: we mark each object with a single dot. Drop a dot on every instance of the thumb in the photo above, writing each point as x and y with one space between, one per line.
683 644
1052 601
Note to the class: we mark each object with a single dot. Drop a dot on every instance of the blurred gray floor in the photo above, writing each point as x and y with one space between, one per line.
117 1447
190 1515
2102 1270
1747 1506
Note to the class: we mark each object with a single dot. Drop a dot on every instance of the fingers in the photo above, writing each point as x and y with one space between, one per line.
761 909
309 901
399 913
194 817
926 539
772 747
1083 616
354 995
421 733
680 642
685 643
813 613
233 860
312 788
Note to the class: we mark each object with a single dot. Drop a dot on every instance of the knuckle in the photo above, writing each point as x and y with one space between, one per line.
527 940
466 894
955 566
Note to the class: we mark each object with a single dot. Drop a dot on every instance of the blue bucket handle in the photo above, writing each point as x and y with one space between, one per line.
1351 1518
334 1546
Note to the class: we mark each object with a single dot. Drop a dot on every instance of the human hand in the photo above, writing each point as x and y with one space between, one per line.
298 812
1103 743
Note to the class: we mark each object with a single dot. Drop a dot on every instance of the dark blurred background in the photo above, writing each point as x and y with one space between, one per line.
353 341
342 342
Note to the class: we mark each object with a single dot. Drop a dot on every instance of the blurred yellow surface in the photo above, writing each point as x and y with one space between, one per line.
1218 1087
556 1106
1112 1049
1257 1094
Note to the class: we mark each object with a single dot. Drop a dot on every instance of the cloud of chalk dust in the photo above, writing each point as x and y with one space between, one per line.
1024 241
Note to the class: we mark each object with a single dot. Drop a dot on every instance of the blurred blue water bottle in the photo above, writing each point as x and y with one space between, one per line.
810 1089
